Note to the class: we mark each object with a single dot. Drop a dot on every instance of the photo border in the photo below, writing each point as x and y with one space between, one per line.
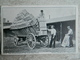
58 6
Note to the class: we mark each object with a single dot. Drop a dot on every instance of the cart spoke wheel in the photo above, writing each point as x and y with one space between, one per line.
46 41
31 41
16 41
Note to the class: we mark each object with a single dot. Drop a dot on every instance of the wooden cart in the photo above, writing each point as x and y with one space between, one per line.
29 30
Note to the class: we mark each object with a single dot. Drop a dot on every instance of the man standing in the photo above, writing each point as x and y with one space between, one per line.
70 33
41 15
53 36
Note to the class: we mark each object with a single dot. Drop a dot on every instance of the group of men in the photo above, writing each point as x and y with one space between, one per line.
53 36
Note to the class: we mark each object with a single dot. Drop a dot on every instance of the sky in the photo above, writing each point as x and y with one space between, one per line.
11 12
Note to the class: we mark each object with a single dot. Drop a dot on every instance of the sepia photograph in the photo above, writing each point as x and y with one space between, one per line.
39 29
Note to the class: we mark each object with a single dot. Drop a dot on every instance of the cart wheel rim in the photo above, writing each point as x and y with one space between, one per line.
31 41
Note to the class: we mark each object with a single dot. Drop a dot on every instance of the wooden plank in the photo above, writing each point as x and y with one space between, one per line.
32 30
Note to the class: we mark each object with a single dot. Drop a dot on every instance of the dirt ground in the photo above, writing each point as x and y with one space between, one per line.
9 47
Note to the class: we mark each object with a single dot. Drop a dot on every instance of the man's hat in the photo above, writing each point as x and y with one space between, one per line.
41 10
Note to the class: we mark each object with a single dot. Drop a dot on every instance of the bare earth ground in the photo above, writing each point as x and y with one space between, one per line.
9 47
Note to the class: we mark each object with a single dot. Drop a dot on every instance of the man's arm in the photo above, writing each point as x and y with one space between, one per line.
48 29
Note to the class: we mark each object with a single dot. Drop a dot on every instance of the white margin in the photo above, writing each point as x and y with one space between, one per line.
1 32
77 29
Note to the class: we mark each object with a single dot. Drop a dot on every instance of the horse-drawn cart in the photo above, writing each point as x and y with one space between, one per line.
29 30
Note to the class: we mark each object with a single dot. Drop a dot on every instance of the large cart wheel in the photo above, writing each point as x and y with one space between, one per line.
31 41
46 41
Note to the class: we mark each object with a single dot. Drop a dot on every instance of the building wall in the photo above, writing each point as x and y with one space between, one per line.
62 30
